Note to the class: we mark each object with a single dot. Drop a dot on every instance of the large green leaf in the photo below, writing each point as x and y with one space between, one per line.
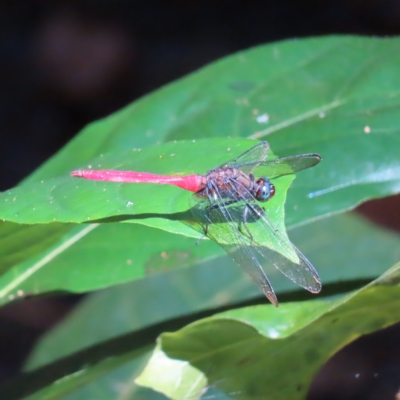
203 287
69 199
336 95
255 352
305 90
337 246
51 269
110 254
19 242
243 351
247 74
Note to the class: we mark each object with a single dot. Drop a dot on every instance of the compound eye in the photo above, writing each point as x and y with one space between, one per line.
265 189
271 190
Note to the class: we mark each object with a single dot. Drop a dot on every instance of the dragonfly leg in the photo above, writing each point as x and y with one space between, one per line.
207 209
244 223
205 232
257 210
202 236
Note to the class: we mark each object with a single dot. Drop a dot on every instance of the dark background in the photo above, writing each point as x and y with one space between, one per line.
64 65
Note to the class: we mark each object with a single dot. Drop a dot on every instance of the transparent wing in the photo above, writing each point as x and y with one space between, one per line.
250 159
221 224
300 272
264 231
287 165
225 226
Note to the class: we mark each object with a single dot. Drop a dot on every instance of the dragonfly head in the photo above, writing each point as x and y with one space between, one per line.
264 190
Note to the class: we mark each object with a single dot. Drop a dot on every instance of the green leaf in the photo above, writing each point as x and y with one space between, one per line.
69 199
165 369
75 200
21 242
336 95
336 246
190 290
312 105
119 384
54 200
95 257
246 351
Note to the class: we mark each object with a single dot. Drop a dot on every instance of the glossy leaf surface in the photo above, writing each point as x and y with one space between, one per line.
337 96
245 352
241 352
193 289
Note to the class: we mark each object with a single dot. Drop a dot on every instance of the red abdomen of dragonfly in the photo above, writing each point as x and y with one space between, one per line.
193 183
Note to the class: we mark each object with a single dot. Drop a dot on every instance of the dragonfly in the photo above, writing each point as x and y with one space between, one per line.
226 207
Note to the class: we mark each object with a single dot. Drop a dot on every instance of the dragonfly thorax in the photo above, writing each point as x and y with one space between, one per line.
232 183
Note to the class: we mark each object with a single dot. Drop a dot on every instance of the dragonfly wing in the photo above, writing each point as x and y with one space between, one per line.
287 165
300 271
250 159
239 225
221 222
246 258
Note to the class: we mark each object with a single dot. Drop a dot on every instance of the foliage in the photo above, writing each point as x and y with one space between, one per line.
337 96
